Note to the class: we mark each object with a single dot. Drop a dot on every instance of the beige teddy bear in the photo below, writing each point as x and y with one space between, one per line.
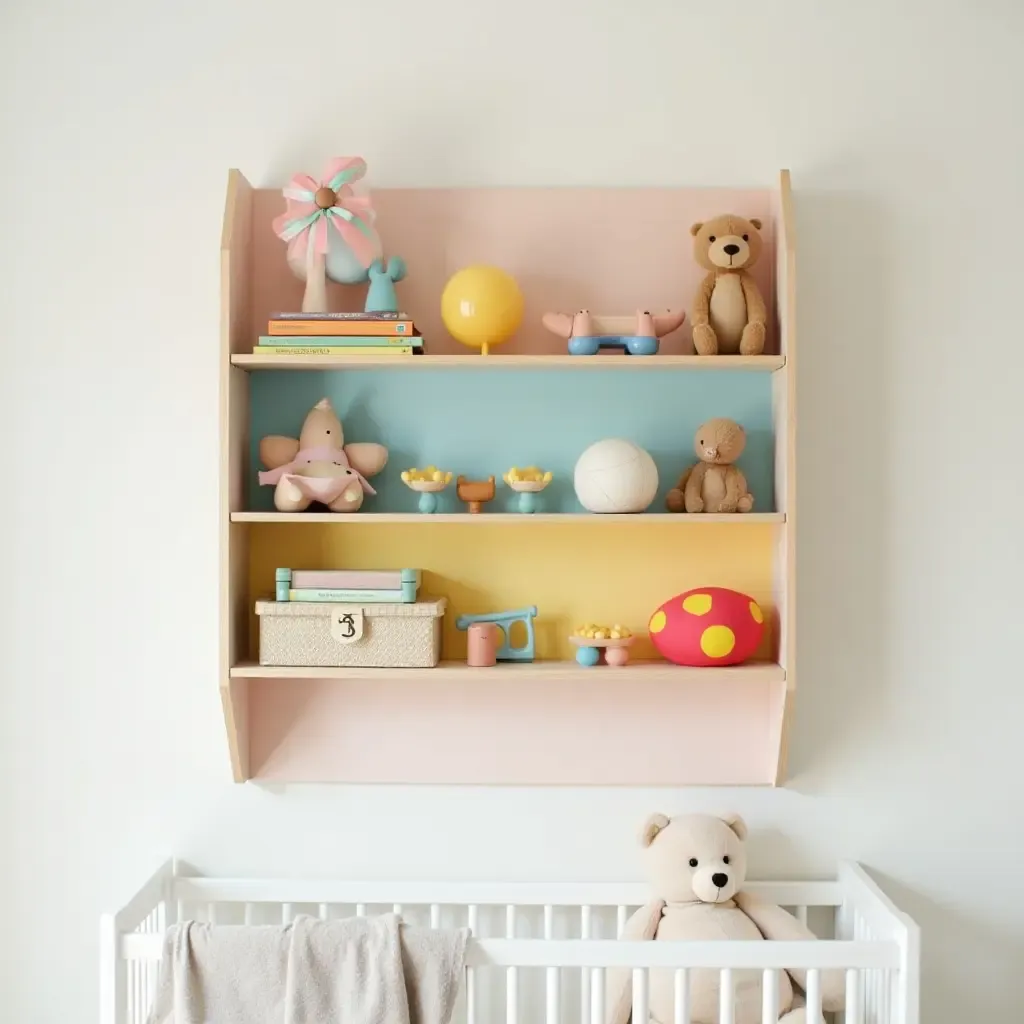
728 311
319 466
714 484
697 865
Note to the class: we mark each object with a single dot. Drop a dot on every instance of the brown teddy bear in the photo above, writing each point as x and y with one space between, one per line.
728 310
714 484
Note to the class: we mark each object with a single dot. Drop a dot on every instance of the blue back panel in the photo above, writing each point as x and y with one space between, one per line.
479 423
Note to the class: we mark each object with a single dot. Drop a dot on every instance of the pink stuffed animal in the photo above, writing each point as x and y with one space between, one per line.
319 466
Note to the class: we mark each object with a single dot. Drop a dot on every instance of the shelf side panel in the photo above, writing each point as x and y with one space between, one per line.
784 393
236 257
616 730
611 250
235 286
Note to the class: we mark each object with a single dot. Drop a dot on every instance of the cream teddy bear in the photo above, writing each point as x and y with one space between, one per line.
714 484
697 864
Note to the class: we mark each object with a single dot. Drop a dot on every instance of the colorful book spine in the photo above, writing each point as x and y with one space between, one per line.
339 316
313 328
387 351
343 340
350 579
352 596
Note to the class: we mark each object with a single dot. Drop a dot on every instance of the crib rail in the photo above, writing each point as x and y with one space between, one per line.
542 952
519 894
739 955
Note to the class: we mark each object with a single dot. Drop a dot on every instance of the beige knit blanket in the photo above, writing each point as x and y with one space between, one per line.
359 970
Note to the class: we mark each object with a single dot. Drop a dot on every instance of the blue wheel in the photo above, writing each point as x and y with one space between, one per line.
583 346
642 346
527 502
587 656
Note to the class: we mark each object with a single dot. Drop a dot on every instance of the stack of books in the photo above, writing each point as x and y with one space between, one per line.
347 586
340 334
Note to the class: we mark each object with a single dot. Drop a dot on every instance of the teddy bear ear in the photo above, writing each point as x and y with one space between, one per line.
652 826
695 229
737 824
756 222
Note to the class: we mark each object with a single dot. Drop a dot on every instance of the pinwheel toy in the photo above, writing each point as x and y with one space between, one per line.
329 229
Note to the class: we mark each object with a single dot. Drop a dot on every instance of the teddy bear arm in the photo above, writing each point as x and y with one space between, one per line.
701 313
693 491
366 457
779 925
276 450
756 311
735 489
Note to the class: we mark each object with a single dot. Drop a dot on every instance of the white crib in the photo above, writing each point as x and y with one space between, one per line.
539 950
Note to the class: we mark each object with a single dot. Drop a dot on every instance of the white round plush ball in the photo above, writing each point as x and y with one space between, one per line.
615 475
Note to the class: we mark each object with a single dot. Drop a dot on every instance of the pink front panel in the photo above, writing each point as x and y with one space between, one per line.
614 729
610 250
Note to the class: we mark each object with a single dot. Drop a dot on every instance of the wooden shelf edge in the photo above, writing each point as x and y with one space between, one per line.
234 697
752 672
511 518
756 364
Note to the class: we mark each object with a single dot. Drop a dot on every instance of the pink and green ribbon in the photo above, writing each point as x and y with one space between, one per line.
304 225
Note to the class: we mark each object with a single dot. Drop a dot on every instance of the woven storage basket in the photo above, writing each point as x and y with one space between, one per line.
301 634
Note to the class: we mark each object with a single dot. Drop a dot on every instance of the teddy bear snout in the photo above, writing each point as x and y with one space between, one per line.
721 880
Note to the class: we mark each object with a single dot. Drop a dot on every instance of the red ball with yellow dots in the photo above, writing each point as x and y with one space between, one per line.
707 626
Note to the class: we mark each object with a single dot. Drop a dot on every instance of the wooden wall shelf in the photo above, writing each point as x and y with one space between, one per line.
550 671
508 518
551 722
631 364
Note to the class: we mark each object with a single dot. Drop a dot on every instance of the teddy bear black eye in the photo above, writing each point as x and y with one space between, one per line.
701 441
746 238
328 431
711 238
693 862
725 860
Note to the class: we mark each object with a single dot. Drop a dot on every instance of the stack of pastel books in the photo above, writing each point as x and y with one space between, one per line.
340 334
347 586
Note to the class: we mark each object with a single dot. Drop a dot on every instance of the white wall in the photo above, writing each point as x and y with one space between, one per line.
902 125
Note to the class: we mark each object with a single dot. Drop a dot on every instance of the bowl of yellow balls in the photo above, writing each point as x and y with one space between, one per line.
592 641
527 483
427 483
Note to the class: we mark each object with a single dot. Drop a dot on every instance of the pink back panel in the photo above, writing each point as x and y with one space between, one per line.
512 731
608 250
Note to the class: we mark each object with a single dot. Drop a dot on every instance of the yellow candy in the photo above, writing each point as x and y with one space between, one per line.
601 634
615 634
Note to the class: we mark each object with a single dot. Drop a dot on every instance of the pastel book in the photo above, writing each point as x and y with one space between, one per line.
340 351
347 586
343 340
333 324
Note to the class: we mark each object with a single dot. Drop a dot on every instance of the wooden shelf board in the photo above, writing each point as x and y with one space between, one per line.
516 518
459 671
763 364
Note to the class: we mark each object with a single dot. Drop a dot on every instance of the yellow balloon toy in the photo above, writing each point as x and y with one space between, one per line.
481 306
